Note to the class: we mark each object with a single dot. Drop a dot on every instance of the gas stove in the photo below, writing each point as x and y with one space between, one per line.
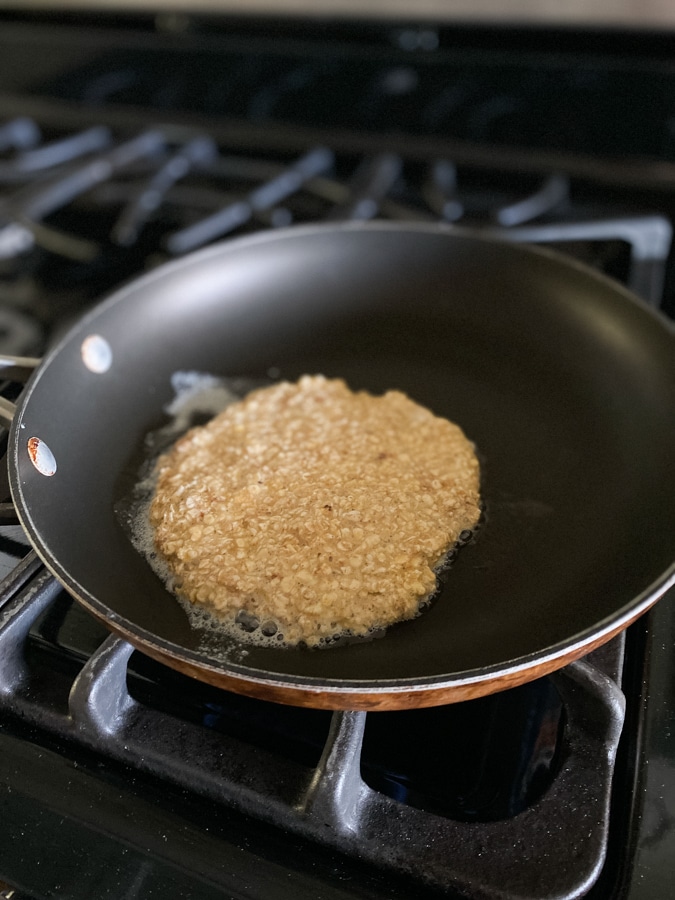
126 143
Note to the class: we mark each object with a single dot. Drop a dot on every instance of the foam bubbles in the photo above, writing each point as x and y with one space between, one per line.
217 633
197 398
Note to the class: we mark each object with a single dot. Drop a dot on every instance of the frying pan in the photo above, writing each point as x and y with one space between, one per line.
564 381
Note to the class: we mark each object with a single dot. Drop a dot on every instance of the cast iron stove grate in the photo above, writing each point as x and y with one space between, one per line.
85 208
329 800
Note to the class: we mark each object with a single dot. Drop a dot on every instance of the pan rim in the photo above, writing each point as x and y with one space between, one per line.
306 683
166 269
576 646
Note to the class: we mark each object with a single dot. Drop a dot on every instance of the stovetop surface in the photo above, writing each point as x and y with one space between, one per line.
75 825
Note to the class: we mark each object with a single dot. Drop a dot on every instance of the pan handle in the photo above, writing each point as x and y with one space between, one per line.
7 413
19 369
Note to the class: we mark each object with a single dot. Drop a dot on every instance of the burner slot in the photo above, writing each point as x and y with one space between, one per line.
293 733
481 761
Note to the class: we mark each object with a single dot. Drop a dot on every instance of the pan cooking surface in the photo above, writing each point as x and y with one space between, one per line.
565 384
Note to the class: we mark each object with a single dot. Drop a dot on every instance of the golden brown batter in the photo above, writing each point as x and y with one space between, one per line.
315 510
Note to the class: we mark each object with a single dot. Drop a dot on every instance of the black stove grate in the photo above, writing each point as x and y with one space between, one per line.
329 799
148 195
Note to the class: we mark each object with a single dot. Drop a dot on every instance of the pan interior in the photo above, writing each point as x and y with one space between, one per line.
565 386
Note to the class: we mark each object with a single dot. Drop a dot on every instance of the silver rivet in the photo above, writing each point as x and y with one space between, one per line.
96 354
41 456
